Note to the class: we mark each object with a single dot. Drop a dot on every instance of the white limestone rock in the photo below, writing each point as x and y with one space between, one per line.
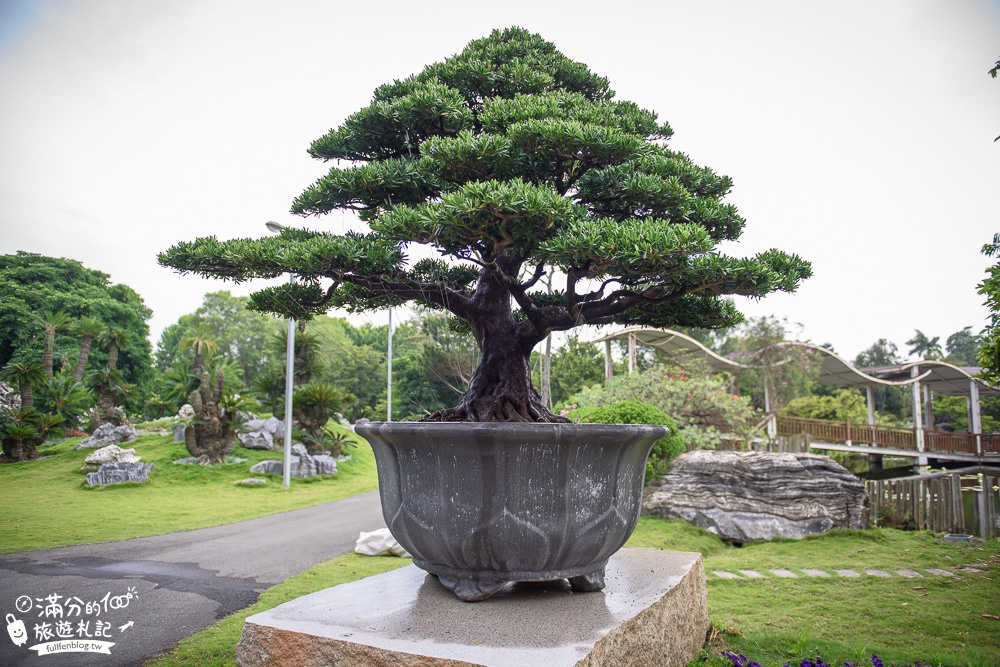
186 412
262 433
752 496
303 464
112 454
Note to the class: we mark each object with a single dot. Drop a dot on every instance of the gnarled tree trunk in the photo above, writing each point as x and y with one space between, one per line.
500 389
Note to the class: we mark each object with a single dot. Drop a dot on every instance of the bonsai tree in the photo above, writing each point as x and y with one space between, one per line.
505 159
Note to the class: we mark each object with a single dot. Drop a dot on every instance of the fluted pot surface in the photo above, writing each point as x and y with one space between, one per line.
501 502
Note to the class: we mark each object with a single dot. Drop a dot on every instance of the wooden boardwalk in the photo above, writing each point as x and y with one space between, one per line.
891 440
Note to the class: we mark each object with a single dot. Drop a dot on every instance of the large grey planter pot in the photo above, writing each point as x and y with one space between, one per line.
481 505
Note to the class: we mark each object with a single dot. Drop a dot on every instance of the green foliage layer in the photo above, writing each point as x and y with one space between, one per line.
506 159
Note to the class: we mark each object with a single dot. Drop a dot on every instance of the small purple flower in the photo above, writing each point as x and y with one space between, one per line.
806 662
875 661
848 664
735 659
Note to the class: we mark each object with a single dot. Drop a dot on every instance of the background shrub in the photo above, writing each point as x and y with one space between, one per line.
637 412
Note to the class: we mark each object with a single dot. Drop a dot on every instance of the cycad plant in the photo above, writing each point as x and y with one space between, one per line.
313 405
50 322
506 159
87 328
22 431
63 396
24 375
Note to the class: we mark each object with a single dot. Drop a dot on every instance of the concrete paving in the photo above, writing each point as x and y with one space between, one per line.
168 586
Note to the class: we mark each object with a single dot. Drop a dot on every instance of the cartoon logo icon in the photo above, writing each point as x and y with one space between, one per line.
23 604
15 628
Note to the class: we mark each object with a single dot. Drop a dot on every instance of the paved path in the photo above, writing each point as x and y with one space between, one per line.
180 583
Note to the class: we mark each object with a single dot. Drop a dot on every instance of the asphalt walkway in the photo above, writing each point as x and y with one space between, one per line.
146 594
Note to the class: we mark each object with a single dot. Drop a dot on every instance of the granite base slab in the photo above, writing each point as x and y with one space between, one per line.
653 611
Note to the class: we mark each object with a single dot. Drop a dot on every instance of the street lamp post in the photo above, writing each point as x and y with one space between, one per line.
286 466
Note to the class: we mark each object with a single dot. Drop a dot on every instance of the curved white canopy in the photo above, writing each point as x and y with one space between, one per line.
941 377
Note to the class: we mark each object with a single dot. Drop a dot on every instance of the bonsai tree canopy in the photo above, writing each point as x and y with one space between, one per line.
508 160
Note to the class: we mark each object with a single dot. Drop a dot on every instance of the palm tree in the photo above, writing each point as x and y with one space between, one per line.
50 323
202 345
89 328
23 374
924 347
306 354
115 340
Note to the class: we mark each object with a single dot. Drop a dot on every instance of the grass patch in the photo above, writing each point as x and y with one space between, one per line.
46 503
937 620
216 646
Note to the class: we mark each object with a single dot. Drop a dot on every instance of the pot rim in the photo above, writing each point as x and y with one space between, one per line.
512 426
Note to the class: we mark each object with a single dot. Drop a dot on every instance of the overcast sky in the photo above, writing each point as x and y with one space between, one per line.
859 134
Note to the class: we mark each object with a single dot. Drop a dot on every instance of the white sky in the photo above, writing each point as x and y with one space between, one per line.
859 134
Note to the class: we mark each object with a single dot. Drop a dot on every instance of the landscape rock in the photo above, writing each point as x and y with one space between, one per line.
9 398
262 433
108 434
750 496
186 412
112 454
179 431
303 464
116 473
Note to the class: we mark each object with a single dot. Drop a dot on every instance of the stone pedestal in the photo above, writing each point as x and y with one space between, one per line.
652 612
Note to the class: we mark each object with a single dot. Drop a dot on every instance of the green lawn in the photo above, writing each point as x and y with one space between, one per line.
935 620
46 503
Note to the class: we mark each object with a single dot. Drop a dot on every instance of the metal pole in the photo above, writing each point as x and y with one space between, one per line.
286 466
388 382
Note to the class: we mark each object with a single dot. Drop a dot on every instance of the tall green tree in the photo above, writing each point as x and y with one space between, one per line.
50 322
115 340
508 157
775 360
25 376
894 401
963 348
241 335
925 347
31 283
989 350
88 328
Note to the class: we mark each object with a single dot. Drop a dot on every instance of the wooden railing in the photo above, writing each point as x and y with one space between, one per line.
837 431
941 441
991 443
893 437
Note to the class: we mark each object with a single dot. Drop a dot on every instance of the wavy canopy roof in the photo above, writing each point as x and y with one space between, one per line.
941 377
